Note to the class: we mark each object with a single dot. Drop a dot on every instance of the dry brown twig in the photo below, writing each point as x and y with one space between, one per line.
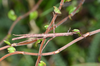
46 35
51 23
43 35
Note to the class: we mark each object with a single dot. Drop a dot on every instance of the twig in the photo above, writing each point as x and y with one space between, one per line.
28 42
17 52
21 43
47 43
52 21
5 47
43 35
53 25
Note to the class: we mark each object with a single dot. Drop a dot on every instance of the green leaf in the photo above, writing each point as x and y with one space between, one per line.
42 63
70 18
71 9
56 10
11 15
38 41
33 15
46 26
67 0
78 31
11 49
7 42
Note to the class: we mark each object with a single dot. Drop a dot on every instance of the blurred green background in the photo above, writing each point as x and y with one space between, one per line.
83 53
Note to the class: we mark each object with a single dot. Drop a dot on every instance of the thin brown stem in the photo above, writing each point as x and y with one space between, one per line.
17 52
28 42
44 35
52 21
5 47
47 43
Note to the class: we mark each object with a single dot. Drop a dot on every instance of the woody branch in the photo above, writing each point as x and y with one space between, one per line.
43 35
53 52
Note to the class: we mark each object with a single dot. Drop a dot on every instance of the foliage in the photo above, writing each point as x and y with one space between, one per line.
12 15
11 49
56 10
42 63
33 15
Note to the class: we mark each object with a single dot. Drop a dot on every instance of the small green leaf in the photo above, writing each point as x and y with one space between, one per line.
7 42
71 9
78 31
33 15
42 63
67 0
11 49
70 18
56 10
38 41
11 15
46 26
